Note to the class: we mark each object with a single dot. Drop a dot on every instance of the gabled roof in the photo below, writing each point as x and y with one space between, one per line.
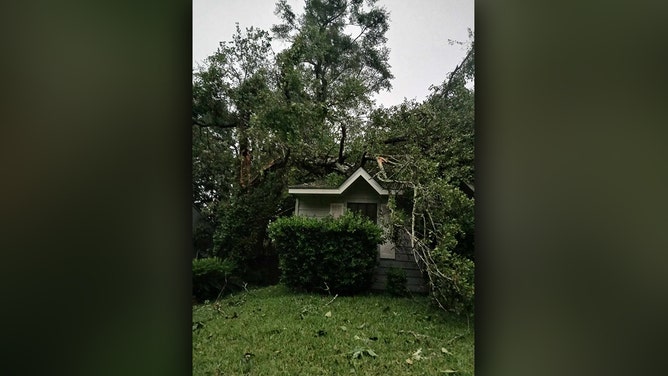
359 174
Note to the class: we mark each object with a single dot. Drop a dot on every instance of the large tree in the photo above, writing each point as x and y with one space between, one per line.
235 149
262 121
427 151
228 93
336 61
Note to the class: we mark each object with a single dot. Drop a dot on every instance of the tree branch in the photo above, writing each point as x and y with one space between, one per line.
395 140
449 85
329 20
361 33
271 166
364 158
341 143
218 125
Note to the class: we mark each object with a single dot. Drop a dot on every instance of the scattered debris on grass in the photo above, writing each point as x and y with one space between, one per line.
359 352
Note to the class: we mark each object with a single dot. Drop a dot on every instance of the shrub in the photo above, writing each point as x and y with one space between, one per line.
338 253
241 232
210 277
453 283
203 239
396 282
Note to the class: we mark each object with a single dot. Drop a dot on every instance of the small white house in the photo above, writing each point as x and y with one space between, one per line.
361 193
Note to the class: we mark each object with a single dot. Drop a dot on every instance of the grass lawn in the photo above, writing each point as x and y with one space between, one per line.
273 331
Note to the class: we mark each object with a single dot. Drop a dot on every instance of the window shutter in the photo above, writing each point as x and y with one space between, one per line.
336 210
387 250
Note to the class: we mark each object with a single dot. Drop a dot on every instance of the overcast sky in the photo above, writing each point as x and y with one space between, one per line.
420 54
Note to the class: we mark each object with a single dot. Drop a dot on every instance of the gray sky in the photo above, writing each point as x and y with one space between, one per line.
420 54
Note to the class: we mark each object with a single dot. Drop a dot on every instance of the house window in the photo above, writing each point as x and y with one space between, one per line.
366 209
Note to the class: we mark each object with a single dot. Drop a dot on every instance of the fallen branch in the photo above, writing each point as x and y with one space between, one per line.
454 338
330 302
416 335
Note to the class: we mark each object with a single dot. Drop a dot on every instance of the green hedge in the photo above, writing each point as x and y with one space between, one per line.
314 253
210 276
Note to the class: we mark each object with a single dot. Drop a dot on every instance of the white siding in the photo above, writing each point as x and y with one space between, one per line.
360 191
319 206
314 206
336 209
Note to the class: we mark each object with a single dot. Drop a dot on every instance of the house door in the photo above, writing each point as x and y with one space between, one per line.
366 209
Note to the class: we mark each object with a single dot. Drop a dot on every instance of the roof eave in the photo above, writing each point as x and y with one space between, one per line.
342 188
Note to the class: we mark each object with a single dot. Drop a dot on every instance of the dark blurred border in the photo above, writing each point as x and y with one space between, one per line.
571 223
95 191
571 211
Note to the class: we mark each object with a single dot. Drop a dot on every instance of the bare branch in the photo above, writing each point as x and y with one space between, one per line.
330 302
451 81
361 33
342 143
218 125
395 140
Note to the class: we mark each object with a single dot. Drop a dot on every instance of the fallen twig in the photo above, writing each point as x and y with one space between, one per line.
454 338
416 335
330 302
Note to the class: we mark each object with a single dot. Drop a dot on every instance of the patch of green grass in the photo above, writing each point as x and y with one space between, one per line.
273 331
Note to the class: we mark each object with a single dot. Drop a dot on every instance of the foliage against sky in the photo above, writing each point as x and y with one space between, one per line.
263 120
